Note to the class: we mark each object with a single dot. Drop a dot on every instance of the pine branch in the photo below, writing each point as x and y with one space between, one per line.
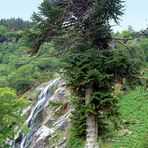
60 52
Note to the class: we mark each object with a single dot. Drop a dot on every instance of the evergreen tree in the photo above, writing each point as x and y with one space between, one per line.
92 67
14 24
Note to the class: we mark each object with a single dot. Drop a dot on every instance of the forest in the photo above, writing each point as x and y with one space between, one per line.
106 73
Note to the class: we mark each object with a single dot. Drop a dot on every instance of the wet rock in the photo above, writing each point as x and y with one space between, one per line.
51 121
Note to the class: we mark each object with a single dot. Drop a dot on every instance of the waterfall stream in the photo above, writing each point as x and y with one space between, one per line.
34 119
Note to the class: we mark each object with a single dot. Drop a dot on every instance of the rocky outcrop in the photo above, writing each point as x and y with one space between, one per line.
48 119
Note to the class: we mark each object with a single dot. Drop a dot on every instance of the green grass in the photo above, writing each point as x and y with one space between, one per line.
134 110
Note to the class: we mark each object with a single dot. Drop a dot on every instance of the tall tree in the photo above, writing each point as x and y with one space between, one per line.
92 67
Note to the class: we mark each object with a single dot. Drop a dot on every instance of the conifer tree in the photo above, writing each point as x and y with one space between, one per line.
81 30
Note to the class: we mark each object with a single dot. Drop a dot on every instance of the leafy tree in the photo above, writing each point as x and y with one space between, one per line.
11 108
128 33
2 30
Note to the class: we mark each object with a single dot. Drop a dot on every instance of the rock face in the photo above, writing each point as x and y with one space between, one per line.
48 118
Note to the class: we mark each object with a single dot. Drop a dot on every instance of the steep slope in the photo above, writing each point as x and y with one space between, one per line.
47 118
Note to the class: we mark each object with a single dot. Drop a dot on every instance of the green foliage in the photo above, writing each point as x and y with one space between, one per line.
133 108
75 143
87 68
3 30
24 77
128 33
10 114
144 45
49 13
21 72
78 118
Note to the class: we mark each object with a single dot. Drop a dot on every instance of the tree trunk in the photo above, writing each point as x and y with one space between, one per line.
92 125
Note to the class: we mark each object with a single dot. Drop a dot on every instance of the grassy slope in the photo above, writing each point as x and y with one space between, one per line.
133 108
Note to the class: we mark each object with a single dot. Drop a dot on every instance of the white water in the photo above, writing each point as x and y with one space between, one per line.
41 102
44 96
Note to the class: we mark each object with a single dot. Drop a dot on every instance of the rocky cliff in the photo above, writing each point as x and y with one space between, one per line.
47 119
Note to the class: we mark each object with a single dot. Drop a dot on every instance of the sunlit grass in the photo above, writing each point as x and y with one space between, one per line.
134 110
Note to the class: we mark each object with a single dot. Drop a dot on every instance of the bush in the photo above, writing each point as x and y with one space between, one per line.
10 114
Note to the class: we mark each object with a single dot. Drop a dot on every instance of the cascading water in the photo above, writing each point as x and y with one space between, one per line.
35 117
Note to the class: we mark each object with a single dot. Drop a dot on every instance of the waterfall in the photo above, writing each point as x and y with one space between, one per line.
34 119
